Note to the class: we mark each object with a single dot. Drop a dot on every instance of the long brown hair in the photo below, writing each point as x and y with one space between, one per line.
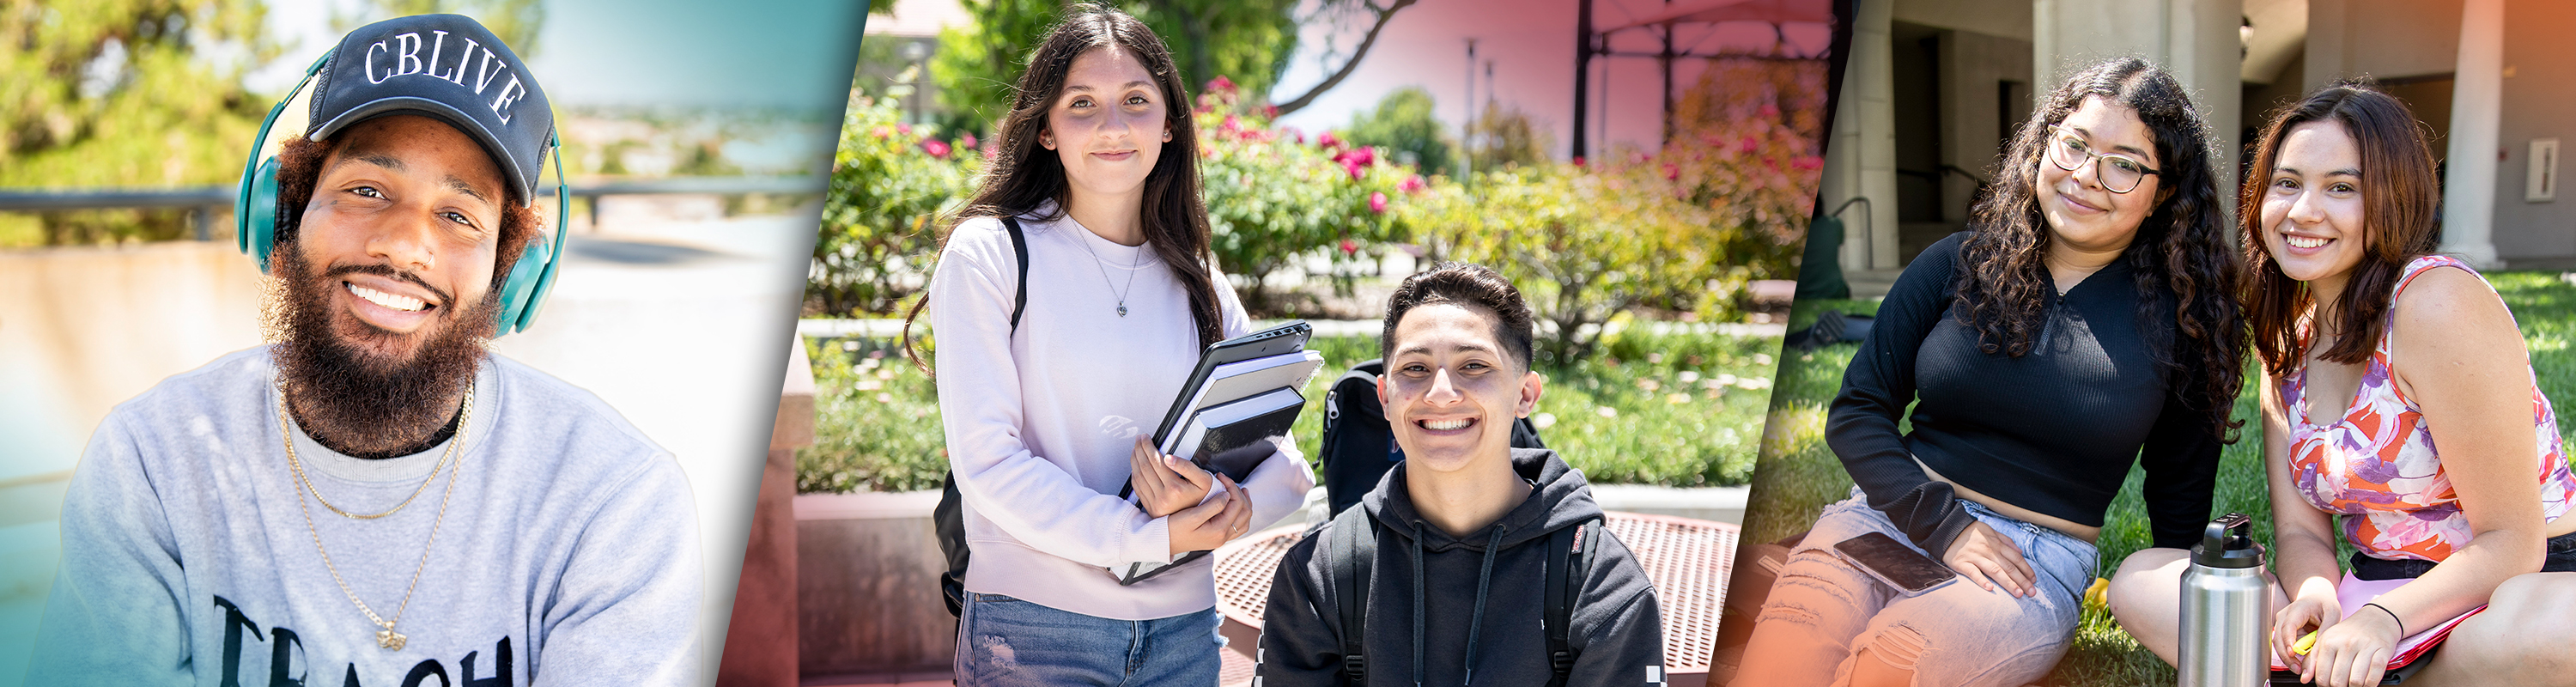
1024 179
2399 200
2003 283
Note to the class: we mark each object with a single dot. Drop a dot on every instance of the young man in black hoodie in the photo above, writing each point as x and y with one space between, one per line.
1456 590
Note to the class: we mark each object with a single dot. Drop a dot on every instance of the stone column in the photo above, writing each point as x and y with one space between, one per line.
2477 105
2196 40
1860 155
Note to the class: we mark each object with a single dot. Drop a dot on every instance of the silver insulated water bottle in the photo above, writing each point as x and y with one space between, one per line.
2223 596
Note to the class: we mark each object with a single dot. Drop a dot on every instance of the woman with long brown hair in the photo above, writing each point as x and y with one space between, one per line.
2399 396
2086 322
1048 403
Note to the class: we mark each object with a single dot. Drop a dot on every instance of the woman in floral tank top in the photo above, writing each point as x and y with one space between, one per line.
2400 398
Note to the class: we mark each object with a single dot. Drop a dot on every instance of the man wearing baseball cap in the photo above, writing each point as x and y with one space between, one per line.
375 498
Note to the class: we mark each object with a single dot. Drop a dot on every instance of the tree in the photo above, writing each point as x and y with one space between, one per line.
1503 137
1246 42
1403 123
516 22
128 93
1342 12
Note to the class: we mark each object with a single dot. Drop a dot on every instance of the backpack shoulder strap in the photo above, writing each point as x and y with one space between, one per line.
949 518
1350 549
1569 562
1020 249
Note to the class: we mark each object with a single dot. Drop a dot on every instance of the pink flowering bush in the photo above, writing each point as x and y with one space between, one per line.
1681 230
1273 199
890 184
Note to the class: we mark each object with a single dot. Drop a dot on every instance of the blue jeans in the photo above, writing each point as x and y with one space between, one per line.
1005 642
1957 634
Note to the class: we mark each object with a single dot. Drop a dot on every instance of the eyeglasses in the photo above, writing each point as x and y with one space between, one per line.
2118 173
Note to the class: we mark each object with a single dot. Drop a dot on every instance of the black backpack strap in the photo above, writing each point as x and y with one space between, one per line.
1357 442
1350 550
1569 562
1019 248
948 519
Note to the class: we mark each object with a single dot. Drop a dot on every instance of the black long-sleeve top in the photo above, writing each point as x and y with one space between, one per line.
2053 431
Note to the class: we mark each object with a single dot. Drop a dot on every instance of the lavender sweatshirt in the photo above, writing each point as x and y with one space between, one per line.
1040 424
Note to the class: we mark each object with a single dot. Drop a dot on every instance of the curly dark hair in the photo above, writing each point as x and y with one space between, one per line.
2400 198
2182 247
1464 283
299 167
1024 177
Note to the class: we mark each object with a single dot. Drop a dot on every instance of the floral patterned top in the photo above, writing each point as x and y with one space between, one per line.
2377 464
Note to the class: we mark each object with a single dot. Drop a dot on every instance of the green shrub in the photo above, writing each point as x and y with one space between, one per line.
1681 410
1274 198
891 182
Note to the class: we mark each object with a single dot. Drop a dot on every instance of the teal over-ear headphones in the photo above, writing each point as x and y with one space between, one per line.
255 215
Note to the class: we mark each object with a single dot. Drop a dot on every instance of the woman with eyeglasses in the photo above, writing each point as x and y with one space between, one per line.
2398 395
2085 322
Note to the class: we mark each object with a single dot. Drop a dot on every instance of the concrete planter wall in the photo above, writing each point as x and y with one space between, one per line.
867 586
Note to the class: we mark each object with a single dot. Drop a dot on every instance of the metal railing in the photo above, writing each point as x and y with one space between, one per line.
207 202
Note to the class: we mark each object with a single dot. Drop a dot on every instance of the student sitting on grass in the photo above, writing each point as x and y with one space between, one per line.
1467 529
2400 396
2085 324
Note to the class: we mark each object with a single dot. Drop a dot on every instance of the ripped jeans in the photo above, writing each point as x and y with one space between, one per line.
1823 612
1003 642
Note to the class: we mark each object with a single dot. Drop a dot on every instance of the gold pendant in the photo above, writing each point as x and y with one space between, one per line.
389 639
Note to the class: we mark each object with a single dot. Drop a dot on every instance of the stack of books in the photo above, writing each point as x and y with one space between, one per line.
1238 404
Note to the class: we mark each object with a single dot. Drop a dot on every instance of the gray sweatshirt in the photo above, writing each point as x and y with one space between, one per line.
569 548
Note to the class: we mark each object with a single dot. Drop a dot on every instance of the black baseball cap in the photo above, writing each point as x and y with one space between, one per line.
447 67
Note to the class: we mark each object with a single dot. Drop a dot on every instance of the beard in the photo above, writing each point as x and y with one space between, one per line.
361 390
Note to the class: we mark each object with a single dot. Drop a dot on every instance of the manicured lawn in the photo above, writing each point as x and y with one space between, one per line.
1798 475
1680 410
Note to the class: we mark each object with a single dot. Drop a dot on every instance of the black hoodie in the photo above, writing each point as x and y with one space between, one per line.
1618 632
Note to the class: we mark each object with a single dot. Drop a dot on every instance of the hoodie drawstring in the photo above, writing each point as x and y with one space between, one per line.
1484 581
1417 602
1476 625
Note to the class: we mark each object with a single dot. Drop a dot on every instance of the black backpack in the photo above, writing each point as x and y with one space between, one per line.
1358 444
949 518
1350 549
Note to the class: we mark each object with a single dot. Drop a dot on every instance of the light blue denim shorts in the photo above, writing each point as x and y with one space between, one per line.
1958 634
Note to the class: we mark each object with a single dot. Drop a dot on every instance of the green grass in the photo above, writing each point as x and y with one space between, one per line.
1798 474
1679 410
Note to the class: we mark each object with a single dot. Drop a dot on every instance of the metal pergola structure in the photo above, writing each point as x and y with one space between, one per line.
1591 42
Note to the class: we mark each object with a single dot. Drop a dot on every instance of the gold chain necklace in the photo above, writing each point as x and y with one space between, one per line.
415 491
387 637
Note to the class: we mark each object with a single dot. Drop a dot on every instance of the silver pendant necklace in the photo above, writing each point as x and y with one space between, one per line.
1096 262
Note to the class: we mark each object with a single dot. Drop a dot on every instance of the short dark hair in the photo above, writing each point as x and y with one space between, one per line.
299 168
1464 283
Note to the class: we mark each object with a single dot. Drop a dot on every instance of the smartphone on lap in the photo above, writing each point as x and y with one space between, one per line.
1895 564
